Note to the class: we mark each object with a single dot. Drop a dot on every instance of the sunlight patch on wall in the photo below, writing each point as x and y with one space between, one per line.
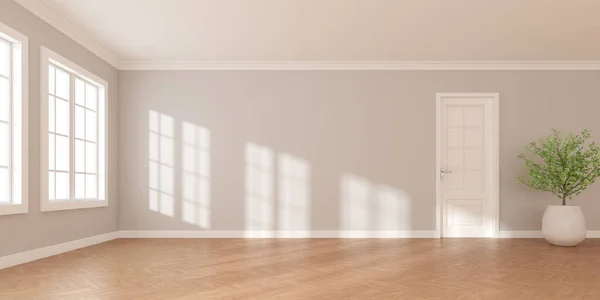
195 166
161 163
394 209
294 193
367 206
259 187
356 203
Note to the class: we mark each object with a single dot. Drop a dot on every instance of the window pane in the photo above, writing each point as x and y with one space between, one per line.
79 186
4 105
4 58
4 144
51 185
51 113
62 186
4 184
90 126
79 156
51 148
90 158
90 186
101 187
79 91
62 117
62 84
51 81
79 122
62 153
91 96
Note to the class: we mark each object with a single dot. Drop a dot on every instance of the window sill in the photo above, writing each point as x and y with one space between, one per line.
13 209
67 205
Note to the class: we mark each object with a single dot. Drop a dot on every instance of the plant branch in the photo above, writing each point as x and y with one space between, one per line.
584 178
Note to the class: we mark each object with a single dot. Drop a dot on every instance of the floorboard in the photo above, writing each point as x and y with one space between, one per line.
312 269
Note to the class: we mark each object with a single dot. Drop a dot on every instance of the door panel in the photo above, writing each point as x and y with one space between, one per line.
468 202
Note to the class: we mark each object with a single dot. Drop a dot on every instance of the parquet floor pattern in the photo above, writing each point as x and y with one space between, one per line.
311 269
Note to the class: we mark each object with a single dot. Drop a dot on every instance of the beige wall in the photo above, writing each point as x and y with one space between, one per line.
377 125
36 229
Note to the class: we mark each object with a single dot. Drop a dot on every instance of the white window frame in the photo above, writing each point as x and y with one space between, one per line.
18 80
47 57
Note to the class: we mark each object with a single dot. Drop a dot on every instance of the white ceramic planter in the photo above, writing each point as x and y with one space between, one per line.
563 225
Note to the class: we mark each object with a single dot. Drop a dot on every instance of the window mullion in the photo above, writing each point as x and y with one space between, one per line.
55 118
71 136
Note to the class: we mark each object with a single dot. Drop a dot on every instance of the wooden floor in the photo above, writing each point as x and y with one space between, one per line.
311 269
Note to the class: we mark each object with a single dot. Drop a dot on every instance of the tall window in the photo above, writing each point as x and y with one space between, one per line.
13 122
74 160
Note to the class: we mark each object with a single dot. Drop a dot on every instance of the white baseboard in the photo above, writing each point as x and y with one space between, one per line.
537 234
178 234
39 253
520 234
200 234
593 234
276 234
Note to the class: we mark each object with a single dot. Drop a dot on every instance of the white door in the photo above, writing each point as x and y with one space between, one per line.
467 160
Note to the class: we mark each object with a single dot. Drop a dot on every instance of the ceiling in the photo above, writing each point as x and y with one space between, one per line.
330 30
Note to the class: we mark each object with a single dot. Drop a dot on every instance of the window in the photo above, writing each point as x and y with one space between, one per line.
13 122
73 162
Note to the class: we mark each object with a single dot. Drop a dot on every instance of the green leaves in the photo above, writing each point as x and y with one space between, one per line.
562 166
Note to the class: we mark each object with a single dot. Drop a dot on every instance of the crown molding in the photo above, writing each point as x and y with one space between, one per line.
42 11
364 65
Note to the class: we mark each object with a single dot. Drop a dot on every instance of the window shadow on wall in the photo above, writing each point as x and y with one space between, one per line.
168 137
259 189
293 193
289 212
161 159
372 210
195 179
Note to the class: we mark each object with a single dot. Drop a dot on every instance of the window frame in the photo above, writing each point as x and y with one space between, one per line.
49 57
19 44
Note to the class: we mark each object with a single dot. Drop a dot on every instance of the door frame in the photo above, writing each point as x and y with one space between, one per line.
495 172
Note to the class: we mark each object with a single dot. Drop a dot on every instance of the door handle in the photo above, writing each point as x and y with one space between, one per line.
443 173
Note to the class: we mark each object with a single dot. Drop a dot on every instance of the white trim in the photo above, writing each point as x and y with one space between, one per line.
275 234
66 205
593 234
22 41
495 178
438 167
537 234
39 253
44 12
362 65
521 234
47 55
213 234
48 15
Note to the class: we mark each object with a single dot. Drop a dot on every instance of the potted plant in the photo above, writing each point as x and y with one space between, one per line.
564 166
